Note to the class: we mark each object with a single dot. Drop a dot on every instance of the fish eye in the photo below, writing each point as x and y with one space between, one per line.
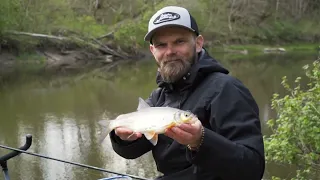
185 116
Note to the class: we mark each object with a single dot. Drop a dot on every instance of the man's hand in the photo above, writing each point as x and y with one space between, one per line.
186 134
127 134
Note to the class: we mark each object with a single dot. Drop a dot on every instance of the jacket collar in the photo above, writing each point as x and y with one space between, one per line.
204 66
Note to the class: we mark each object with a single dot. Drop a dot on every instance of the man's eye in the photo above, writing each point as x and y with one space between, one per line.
160 45
180 41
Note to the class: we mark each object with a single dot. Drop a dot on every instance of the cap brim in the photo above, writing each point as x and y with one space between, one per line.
148 36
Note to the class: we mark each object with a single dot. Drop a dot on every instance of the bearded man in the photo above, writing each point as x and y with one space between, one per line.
227 143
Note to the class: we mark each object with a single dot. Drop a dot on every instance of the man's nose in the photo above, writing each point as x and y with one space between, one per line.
170 50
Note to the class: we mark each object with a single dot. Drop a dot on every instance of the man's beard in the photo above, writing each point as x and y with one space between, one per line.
174 68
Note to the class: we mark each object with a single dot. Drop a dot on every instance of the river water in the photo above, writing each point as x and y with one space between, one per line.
62 118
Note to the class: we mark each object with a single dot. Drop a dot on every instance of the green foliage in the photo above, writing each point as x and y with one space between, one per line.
280 31
220 21
132 33
9 14
295 135
51 17
85 25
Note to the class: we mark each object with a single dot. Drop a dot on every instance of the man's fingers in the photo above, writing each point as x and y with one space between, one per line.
191 128
132 137
178 134
185 133
187 127
121 130
169 133
138 135
127 134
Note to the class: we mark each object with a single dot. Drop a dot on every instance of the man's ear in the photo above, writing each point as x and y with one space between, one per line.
151 47
199 43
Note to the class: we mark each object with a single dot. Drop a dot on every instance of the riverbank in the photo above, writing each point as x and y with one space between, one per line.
41 55
79 62
78 36
248 49
52 57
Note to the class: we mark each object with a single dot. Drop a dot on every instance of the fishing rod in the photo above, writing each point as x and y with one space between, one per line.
17 151
5 158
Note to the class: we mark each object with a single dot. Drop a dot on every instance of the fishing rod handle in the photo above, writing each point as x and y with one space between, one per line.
25 147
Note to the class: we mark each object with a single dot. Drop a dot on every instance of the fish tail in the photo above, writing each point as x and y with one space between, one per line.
107 128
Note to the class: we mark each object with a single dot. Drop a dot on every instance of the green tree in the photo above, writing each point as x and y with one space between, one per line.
295 138
9 14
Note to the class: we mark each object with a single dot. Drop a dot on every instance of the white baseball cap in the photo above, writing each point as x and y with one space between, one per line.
171 16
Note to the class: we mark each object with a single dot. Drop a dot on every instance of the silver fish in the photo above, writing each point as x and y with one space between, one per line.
150 121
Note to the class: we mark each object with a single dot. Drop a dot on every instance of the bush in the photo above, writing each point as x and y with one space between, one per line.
295 138
9 14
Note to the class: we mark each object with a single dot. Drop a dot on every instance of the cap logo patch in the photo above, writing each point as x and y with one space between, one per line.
165 17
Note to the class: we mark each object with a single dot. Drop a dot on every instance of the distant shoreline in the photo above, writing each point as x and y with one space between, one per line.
56 58
52 58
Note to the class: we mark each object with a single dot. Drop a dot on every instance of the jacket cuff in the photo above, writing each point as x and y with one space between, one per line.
195 155
116 139
118 143
127 149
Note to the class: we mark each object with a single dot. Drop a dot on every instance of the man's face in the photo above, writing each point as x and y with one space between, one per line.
175 49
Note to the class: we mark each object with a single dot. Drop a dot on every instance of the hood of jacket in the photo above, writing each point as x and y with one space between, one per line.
204 66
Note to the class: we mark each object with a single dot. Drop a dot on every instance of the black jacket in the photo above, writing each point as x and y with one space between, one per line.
233 146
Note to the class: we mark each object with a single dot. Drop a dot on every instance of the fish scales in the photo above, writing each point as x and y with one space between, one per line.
147 119
150 121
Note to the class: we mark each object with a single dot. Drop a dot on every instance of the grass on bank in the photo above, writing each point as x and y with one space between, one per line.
259 48
129 23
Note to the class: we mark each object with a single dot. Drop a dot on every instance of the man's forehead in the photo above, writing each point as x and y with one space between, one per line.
171 33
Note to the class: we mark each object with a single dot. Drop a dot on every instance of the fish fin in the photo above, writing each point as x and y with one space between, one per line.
149 134
142 104
104 123
105 130
152 137
123 116
171 125
154 140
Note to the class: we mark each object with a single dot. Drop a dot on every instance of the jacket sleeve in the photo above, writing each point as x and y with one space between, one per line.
130 150
235 150
133 149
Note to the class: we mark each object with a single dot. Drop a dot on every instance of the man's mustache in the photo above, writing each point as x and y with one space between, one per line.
171 60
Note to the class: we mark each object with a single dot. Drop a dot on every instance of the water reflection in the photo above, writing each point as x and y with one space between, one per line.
64 138
63 119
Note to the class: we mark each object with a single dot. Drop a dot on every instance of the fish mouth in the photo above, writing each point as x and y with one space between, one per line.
193 118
